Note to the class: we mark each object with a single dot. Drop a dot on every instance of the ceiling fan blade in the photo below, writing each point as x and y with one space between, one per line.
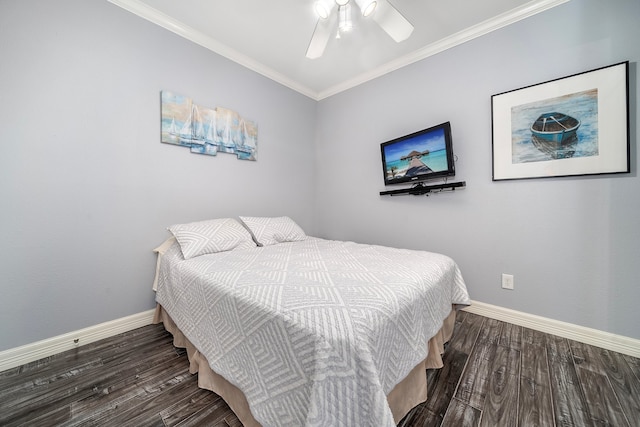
320 37
392 21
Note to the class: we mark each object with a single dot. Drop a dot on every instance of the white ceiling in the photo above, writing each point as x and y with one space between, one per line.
271 37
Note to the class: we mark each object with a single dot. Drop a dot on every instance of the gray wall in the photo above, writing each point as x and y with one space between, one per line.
87 189
573 244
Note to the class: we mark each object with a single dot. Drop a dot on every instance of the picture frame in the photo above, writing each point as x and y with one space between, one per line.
571 126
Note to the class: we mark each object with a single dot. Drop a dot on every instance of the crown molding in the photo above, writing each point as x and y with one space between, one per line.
141 9
532 8
165 21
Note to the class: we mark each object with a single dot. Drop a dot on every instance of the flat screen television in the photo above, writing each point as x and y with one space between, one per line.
420 156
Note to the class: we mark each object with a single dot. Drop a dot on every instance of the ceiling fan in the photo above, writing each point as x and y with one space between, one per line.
381 11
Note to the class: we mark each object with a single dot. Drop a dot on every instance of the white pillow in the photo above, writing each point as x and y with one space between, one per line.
269 231
208 237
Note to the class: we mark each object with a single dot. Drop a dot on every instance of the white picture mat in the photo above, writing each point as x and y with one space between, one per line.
611 83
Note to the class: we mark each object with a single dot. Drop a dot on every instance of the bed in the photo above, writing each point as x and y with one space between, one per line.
302 330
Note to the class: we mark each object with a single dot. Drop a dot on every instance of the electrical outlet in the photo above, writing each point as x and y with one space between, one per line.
507 281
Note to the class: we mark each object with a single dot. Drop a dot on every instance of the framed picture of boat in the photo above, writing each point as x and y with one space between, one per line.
571 126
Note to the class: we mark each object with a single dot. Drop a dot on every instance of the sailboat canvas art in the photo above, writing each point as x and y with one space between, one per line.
248 143
206 130
176 119
228 123
203 141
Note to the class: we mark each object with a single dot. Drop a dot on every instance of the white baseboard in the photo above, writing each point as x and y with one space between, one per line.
45 348
609 341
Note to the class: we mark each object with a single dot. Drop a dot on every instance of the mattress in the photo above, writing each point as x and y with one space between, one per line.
315 332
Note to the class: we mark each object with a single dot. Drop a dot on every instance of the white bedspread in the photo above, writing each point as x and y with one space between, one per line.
317 332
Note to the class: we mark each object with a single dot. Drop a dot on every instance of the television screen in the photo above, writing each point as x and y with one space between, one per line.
420 156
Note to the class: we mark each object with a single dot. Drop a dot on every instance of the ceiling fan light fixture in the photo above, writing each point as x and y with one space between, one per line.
367 7
342 2
344 18
323 8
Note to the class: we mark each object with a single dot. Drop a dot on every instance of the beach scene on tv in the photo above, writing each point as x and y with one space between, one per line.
420 155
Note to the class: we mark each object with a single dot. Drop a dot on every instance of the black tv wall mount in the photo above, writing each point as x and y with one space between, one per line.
420 189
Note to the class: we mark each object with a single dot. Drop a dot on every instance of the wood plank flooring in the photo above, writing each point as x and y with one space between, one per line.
495 374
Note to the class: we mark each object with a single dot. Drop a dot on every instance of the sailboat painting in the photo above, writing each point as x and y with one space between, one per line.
227 129
176 119
202 141
206 130
248 144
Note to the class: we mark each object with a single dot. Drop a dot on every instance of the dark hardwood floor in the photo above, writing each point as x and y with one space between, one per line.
495 374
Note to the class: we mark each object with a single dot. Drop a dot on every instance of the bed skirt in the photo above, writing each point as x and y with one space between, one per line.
410 392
